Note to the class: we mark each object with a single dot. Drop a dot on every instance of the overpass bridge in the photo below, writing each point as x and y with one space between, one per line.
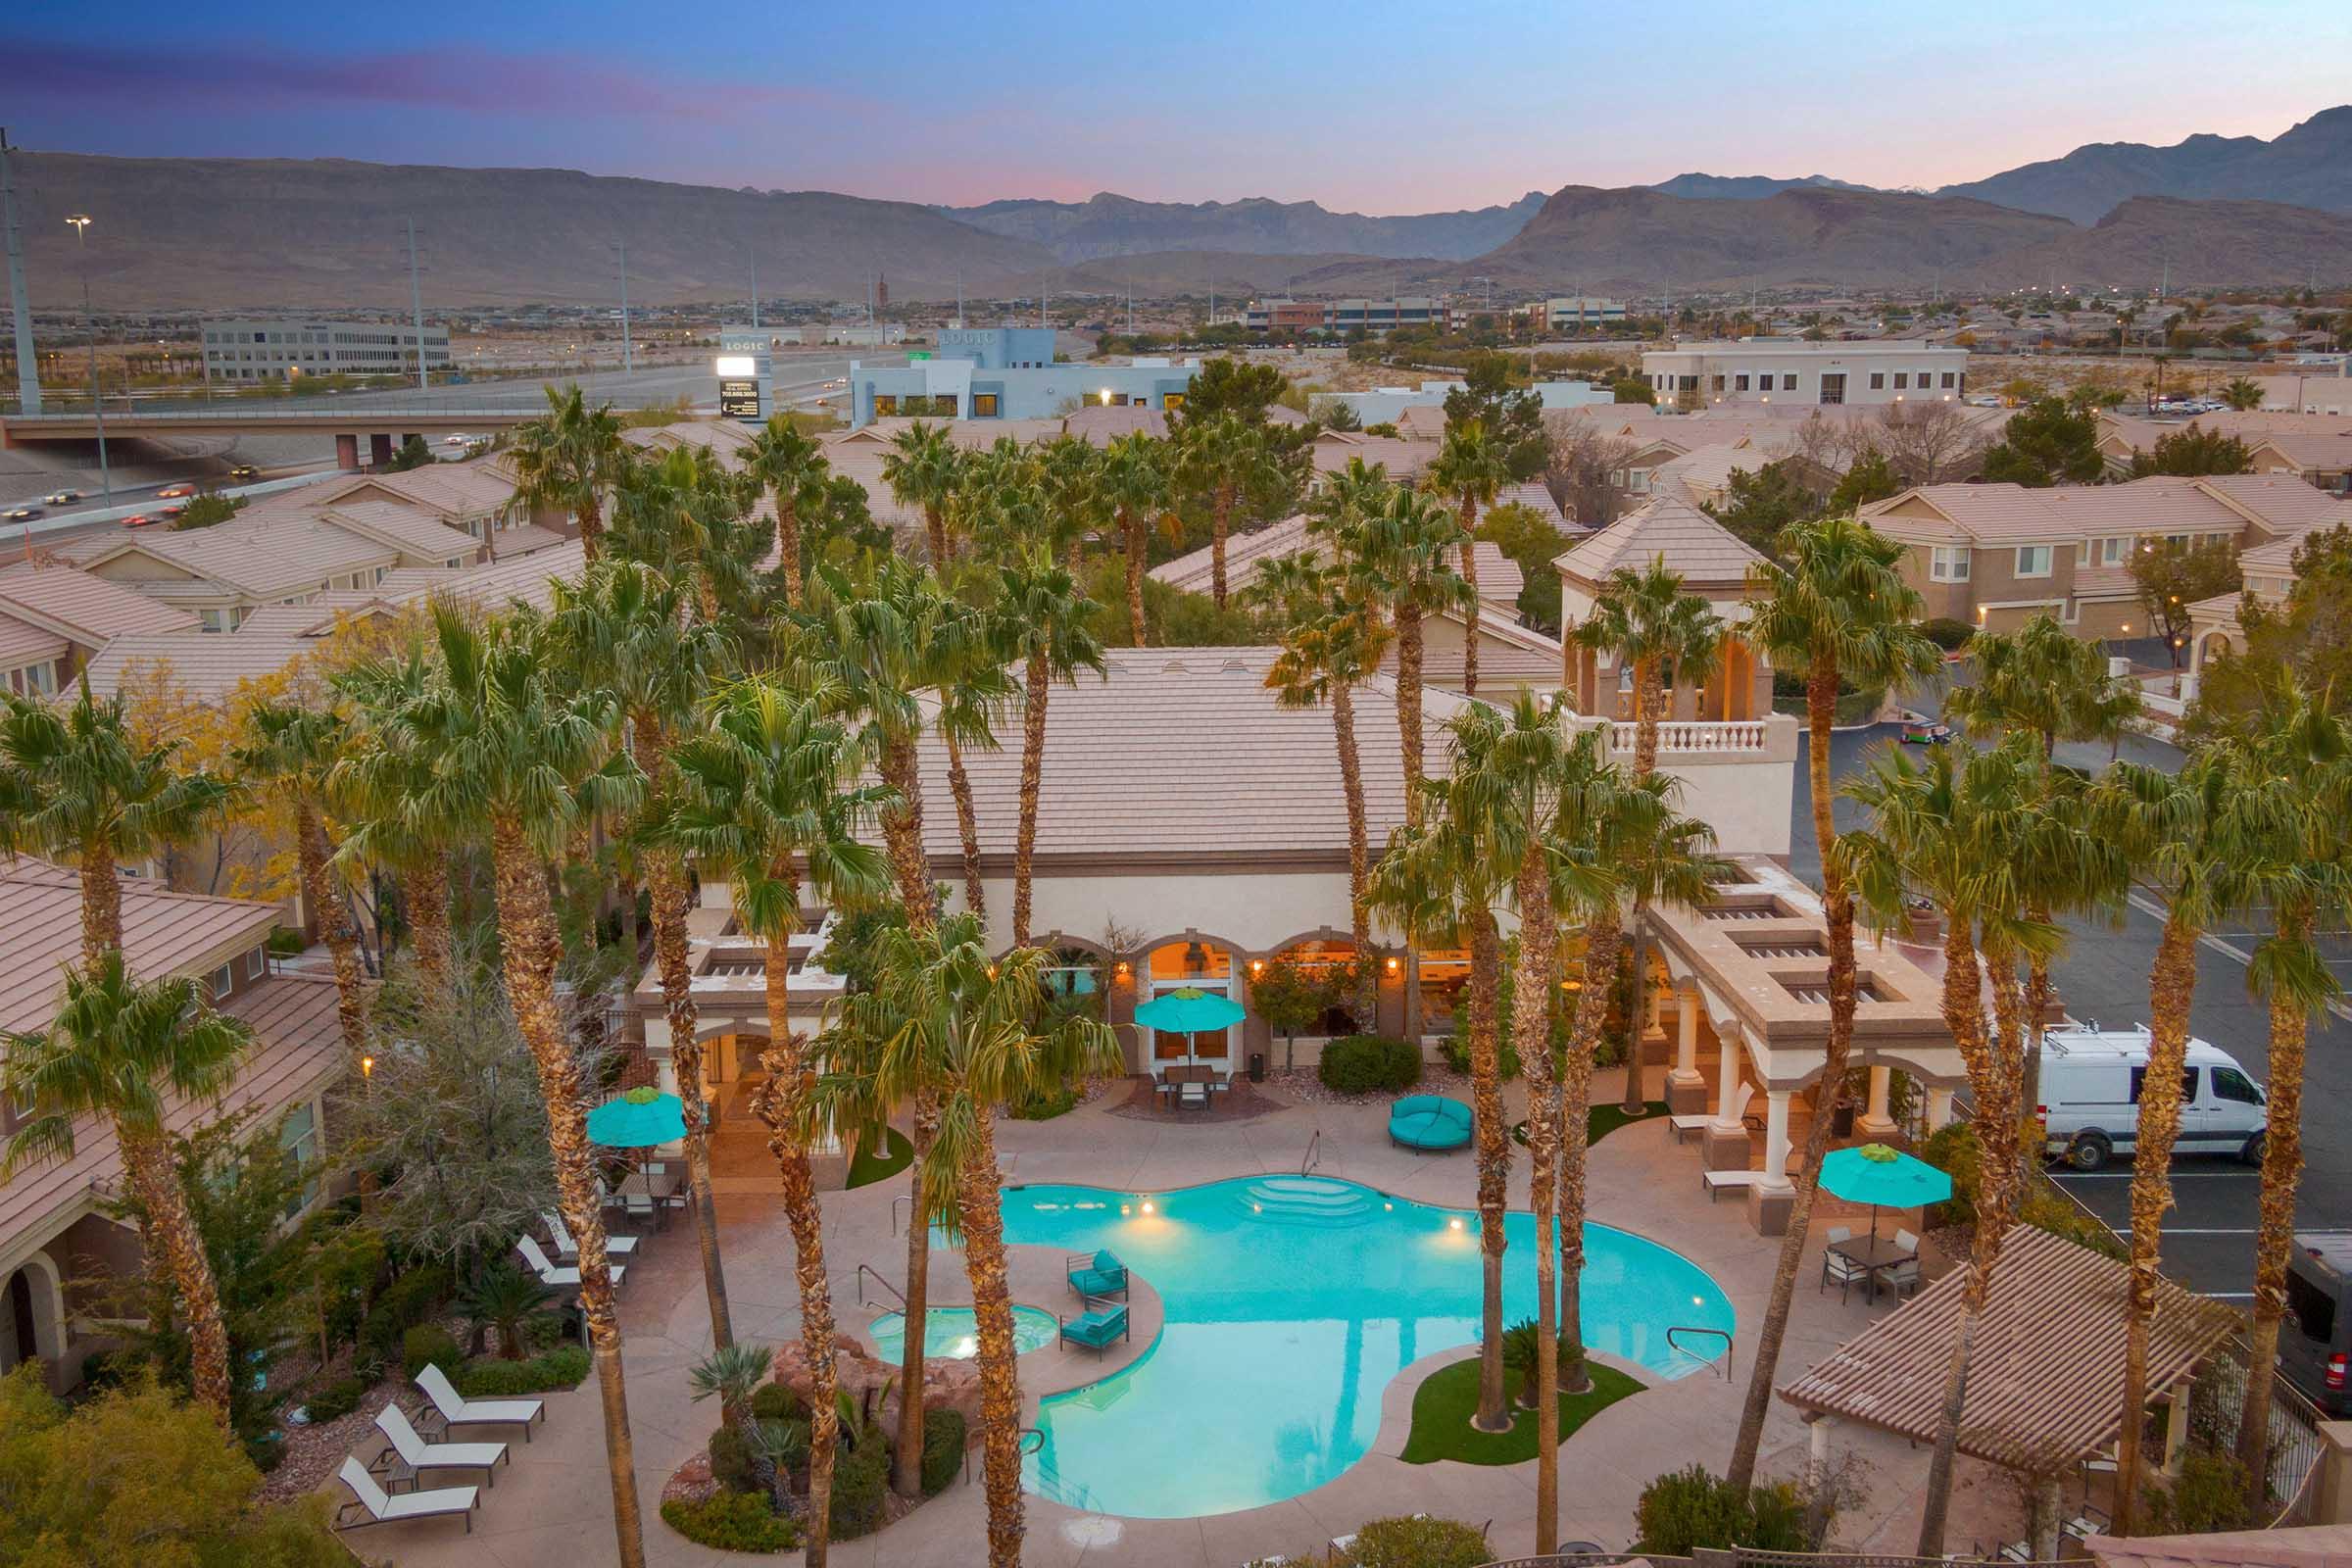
381 424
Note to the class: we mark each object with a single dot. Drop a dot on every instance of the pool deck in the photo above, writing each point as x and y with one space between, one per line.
551 1506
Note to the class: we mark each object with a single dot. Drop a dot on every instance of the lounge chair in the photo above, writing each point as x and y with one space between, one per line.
1102 1274
380 1507
419 1456
455 1411
1719 1180
1836 1266
1096 1328
570 1251
1429 1123
549 1273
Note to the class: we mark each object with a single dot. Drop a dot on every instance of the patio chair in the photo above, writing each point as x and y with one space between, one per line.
1099 1274
1905 1275
1835 1266
455 1411
379 1508
1429 1123
1193 1094
549 1273
1096 1329
570 1249
419 1456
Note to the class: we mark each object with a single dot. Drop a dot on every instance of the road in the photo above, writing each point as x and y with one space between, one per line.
2103 976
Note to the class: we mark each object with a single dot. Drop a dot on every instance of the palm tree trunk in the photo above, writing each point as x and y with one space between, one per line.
1470 576
592 529
312 852
1494 1164
531 947
1531 1026
907 1474
172 1230
425 891
1638 1025
1360 854
992 1311
2171 987
2275 1232
1033 773
1132 529
1602 939
101 904
1220 521
903 832
667 877
1408 708
782 1104
1838 908
935 524
1648 690
968 828
788 545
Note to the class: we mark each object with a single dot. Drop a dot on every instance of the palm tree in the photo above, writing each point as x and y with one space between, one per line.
78 788
1645 619
688 517
502 1298
1401 556
1069 471
112 1045
292 749
786 463
1044 615
732 1374
765 801
2242 394
387 811
1469 469
966 1031
1840 611
970 701
922 470
627 628
1132 481
1225 458
567 458
493 739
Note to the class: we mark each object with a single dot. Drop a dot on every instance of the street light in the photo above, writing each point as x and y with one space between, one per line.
89 321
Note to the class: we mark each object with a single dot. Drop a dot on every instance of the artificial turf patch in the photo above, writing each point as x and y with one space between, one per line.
1448 1398
1603 1120
896 1155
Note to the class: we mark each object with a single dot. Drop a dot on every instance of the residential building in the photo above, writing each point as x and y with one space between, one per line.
259 349
1762 370
2313 389
2267 575
996 373
54 618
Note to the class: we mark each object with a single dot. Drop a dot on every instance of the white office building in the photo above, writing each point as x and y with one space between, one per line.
278 351
1788 369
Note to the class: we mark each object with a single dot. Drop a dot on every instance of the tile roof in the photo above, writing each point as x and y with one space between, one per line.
207 666
2002 514
1509 655
2278 503
163 934
1404 459
1692 543
411 529
85 608
491 584
1098 426
1500 579
1422 422
23 643
450 489
263 558
1536 498
2330 451
2294 1547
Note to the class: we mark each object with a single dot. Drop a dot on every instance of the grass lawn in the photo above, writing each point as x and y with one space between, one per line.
1600 1121
1445 1403
896 1156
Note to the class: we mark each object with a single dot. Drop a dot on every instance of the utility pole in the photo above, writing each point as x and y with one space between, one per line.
417 309
628 355
89 320
29 368
754 288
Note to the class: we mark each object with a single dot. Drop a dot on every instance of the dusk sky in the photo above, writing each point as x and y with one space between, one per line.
1372 106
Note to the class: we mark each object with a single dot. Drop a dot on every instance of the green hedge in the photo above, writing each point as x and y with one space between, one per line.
1417 1543
778 1401
1455 1049
337 1399
732 1521
731 1460
429 1344
1946 633
1046 1104
861 1490
413 1298
944 1434
492 1378
1692 1507
1952 1148
1370 1064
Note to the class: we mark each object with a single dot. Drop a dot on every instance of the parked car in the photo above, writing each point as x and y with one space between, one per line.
142 519
2314 1343
2089 1103
61 498
244 470
171 492
24 513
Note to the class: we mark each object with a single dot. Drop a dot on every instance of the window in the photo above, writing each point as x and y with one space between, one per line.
1171 400
1739 384
1789 382
1949 379
222 981
1903 379
1719 383
1833 386
298 1136
1950 564
1877 380
2230 1084
885 404
984 405
2032 561
255 962
2114 552
2083 553
2188 1084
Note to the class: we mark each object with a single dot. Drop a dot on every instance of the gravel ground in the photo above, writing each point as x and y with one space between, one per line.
314 1453
1304 1085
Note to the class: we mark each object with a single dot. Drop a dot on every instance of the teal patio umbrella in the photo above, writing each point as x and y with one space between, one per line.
1189 1011
1882 1178
638 1119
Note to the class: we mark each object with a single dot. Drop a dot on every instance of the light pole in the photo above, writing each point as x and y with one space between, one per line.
89 321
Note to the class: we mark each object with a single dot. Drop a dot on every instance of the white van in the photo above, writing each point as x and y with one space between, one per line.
2090 1103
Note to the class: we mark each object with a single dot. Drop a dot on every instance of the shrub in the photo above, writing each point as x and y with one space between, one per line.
1455 1049
1689 1509
778 1401
942 1449
429 1345
1370 1064
339 1399
731 1462
1946 633
1417 1543
732 1521
1952 1148
410 1299
2210 1494
860 1485
489 1378
1044 1104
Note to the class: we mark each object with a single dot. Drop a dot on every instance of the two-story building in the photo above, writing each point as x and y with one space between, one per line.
1008 372
55 618
1782 369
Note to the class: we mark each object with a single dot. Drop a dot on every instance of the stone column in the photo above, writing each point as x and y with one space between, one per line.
2176 1428
1776 1137
1727 1144
1940 1109
1686 1090
1875 1123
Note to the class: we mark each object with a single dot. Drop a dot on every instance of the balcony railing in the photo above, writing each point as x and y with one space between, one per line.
1694 735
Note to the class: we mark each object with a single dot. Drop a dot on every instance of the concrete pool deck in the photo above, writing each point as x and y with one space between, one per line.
553 1504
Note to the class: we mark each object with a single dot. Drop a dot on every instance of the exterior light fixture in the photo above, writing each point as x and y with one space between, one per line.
1454 1224
367 1066
1392 966
1257 967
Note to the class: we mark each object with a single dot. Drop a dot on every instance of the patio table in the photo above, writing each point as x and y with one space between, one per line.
1176 1075
1873 1255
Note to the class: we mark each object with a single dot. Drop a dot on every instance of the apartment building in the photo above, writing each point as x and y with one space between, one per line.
278 351
1786 370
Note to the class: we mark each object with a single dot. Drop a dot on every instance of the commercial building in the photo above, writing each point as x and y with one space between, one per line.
1567 311
276 351
1761 369
1008 372
1345 316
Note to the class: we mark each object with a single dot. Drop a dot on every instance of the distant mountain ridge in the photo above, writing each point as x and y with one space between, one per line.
2309 165
1745 187
1109 224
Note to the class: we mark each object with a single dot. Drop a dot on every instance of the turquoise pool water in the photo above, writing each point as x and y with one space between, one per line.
949 1331
1292 1302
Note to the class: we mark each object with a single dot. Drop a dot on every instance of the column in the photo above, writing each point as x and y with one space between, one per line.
2176 1428
1728 1084
1686 1090
1940 1109
1776 1137
1876 1123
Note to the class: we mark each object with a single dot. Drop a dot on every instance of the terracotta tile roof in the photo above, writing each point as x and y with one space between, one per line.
1536 498
1404 459
1098 426
2314 450
2012 513
1500 579
411 530
263 558
2278 503
1422 422
85 609
2296 1547
490 584
1692 543
528 539
208 665
448 489
163 934
1509 655
23 643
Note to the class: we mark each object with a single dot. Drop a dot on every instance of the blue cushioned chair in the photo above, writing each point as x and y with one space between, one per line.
1429 1123
1097 1329
1102 1274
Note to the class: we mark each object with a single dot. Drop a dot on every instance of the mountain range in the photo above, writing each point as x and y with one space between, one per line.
2307 166
1745 187
1106 226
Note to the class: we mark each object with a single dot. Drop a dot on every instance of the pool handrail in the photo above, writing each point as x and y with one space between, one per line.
902 1198
1311 1158
864 1269
1704 1360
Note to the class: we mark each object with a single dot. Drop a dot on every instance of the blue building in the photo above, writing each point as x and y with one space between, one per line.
1008 373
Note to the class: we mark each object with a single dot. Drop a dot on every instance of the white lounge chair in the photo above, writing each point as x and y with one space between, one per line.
549 1273
570 1249
382 1508
1718 1181
455 1411
1684 1125
402 1441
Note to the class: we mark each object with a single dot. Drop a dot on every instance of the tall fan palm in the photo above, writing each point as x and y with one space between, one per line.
77 787
113 1046
628 629
786 463
1646 619
396 819
1069 470
922 471
1469 469
1840 611
685 516
291 748
1133 484
1224 457
965 1028
494 738
1044 615
1402 556
766 800
567 458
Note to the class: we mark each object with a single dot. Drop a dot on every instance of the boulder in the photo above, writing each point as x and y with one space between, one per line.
948 1385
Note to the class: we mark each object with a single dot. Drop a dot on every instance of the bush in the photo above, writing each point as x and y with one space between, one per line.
1044 1104
944 1434
1455 1049
1370 1064
2210 1494
1690 1508
339 1399
490 1378
1946 633
1417 1543
731 1462
429 1345
860 1486
410 1299
778 1401
1952 1148
732 1521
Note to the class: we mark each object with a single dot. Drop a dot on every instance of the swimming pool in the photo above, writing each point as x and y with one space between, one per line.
1290 1302
950 1332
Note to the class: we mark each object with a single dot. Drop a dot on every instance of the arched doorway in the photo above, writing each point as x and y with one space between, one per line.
1199 963
31 1324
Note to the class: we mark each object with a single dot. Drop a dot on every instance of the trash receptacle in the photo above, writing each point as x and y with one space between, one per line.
1258 1066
